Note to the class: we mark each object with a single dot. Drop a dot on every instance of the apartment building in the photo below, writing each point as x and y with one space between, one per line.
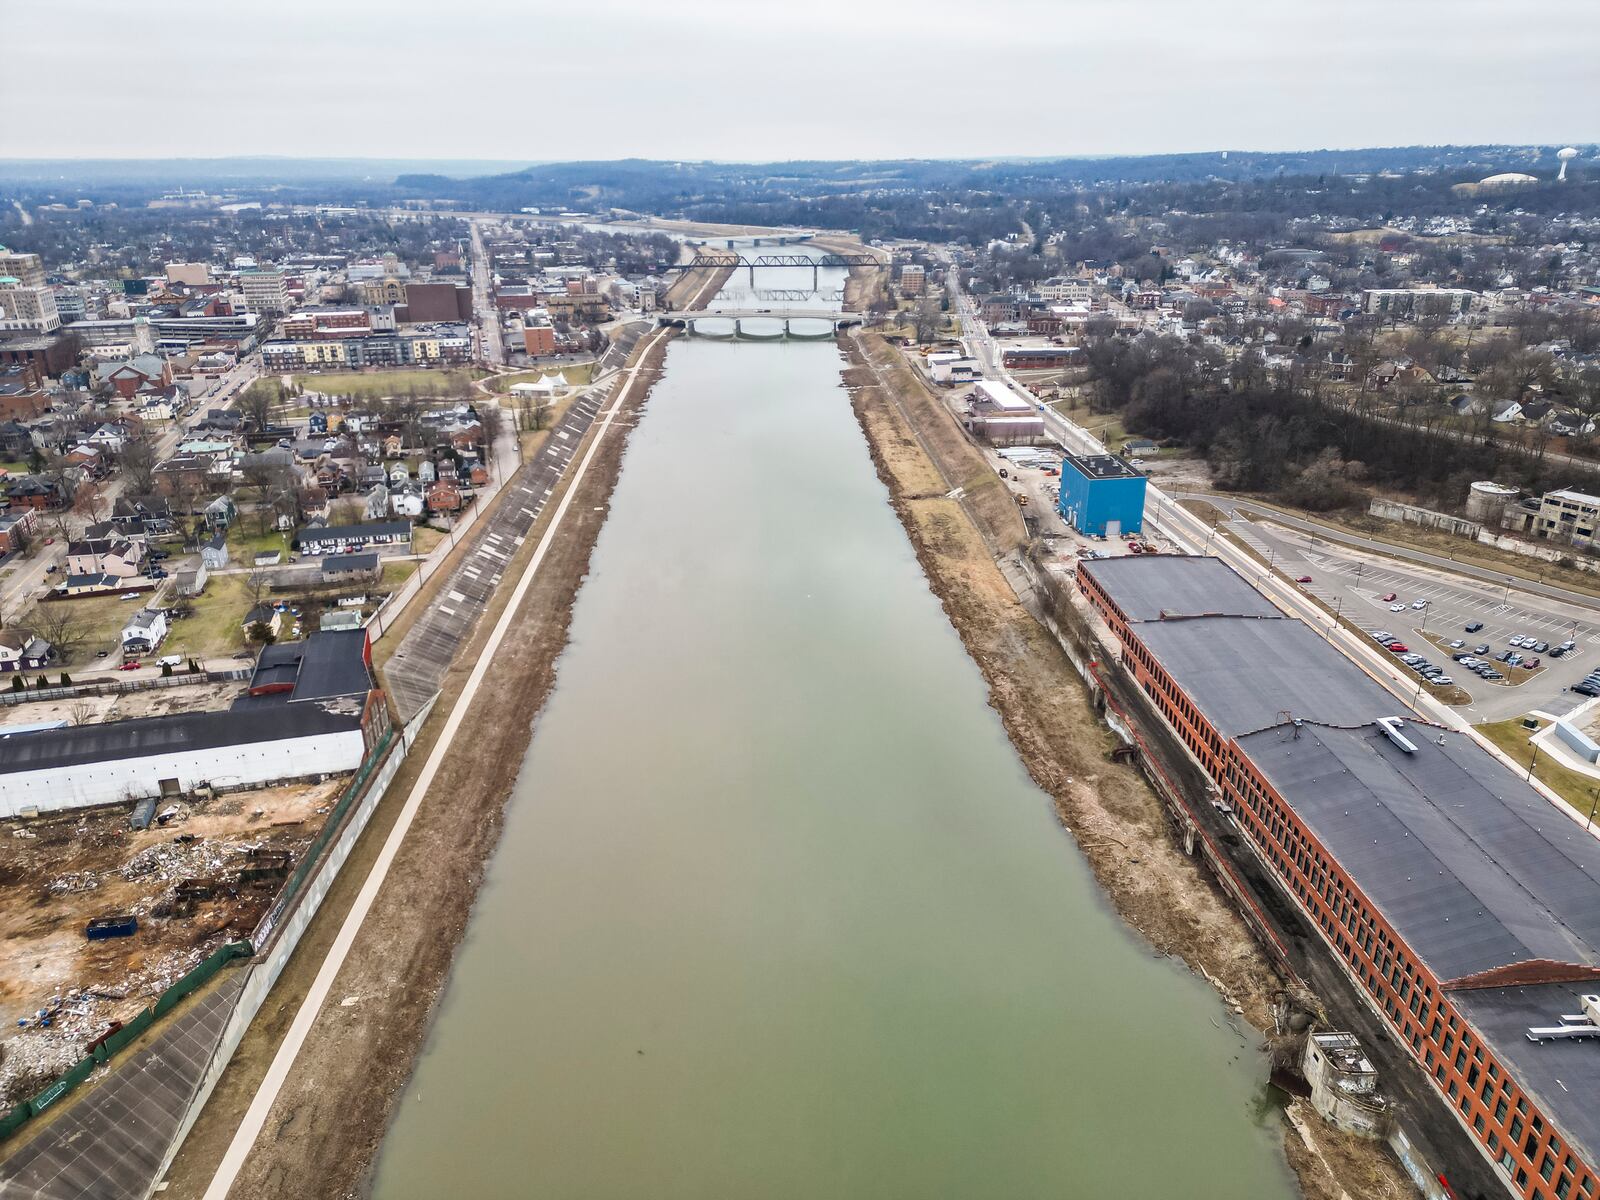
265 292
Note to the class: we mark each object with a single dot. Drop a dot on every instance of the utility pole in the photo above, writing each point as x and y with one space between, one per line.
1595 795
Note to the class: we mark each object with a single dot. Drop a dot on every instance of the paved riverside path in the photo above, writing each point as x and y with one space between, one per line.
414 672
109 1144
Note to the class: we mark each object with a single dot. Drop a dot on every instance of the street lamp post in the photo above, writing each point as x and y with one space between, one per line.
1595 796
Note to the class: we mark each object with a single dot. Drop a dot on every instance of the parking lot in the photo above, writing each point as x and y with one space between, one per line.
1354 584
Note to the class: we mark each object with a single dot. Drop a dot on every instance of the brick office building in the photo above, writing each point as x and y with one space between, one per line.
1463 905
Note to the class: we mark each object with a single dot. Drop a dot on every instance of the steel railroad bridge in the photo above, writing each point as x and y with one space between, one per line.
723 262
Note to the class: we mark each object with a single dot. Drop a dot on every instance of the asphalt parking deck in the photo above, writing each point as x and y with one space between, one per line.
1354 583
109 1144
428 648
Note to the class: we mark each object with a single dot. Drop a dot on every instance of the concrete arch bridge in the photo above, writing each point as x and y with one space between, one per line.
808 320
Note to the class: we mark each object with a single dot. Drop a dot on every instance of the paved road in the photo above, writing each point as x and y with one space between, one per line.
1354 583
488 316
29 578
1455 566
428 648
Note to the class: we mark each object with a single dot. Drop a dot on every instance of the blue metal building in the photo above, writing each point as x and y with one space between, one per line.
1101 495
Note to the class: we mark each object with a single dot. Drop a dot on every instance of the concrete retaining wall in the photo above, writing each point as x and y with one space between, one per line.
1393 510
268 966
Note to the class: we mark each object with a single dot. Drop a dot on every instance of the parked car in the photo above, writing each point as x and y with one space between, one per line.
1399 648
1482 648
1419 604
1530 664
1390 598
1474 626
159 555
1303 579
1457 644
131 665
129 596
1515 640
101 653
1541 647
1397 608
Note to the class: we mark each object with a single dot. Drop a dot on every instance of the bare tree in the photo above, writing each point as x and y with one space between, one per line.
138 464
926 320
61 624
82 712
256 586
256 401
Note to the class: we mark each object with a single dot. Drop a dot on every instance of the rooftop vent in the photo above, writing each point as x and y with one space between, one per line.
1573 1025
1391 727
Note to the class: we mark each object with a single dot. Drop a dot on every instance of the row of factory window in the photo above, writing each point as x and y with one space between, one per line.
1195 730
1375 957
1379 963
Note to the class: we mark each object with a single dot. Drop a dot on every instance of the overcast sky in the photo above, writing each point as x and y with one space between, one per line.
763 79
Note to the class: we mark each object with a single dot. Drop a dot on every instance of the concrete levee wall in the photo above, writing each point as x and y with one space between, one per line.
285 937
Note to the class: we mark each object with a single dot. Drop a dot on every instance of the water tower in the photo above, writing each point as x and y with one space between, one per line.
1566 156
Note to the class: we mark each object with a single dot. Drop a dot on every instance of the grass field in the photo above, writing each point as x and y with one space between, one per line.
216 627
576 374
1576 789
451 381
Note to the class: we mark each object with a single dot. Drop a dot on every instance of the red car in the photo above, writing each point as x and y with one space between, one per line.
1399 648
1390 598
131 665
1304 579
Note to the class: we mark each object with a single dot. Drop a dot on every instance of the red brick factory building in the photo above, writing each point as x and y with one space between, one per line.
1461 903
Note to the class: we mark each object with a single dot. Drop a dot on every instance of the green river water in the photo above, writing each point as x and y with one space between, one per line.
778 912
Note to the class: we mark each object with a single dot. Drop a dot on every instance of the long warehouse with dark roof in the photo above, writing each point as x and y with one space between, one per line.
1464 904
321 720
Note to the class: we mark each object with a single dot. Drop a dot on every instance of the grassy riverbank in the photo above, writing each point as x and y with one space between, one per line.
1118 822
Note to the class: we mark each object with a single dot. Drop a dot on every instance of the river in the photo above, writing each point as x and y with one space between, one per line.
777 911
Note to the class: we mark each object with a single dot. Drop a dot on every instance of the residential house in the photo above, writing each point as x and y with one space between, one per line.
351 568
444 496
220 513
150 516
16 529
143 631
191 581
117 556
16 441
407 502
214 552
131 377
376 504
220 420
263 614
23 652
92 584
36 491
